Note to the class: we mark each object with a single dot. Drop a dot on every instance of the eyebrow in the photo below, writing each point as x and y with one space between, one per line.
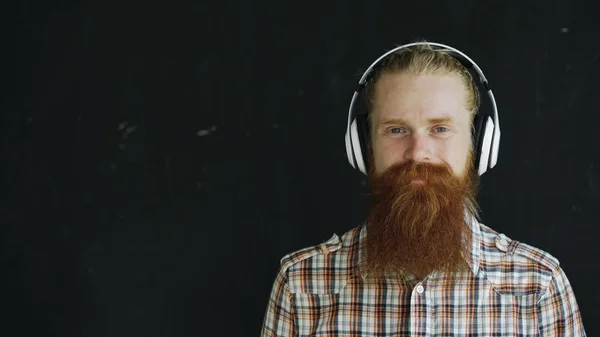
438 120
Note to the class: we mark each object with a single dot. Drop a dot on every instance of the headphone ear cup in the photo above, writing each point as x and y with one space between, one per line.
486 145
360 143
349 150
477 137
364 134
364 139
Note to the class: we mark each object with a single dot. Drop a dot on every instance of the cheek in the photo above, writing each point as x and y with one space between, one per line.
385 154
457 156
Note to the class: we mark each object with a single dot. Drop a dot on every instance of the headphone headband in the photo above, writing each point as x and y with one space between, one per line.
470 64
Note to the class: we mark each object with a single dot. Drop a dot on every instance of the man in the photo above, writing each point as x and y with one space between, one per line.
422 264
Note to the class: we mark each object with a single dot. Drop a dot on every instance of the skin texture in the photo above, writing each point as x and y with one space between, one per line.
421 118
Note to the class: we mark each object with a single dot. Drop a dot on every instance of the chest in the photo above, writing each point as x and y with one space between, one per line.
472 308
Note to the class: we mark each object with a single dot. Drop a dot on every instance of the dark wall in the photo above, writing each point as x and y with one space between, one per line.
159 158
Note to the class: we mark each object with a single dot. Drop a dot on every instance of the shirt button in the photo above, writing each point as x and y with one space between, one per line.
420 289
502 243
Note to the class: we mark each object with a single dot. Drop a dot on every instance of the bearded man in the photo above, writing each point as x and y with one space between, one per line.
422 264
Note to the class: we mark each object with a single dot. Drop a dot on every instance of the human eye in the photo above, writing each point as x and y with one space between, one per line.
396 130
441 129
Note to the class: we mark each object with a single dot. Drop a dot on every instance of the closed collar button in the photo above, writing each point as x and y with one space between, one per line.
420 289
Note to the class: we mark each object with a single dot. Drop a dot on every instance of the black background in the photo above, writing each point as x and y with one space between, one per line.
159 158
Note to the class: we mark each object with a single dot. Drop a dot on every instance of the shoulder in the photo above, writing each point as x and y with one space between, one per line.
321 268
499 246
515 267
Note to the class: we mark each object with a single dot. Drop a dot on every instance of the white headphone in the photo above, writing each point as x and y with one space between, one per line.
486 139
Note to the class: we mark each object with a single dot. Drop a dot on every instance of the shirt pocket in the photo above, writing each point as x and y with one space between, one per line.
517 315
316 314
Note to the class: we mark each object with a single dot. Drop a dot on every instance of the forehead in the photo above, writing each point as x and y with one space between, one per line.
419 97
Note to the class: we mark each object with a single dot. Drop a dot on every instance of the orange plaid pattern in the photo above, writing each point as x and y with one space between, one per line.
513 290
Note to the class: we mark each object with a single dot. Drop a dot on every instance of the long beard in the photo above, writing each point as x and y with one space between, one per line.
415 228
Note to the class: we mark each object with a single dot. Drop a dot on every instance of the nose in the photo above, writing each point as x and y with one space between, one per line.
418 149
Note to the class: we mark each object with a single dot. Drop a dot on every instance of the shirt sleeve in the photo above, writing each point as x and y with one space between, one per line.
279 317
559 312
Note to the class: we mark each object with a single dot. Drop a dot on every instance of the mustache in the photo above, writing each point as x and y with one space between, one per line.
402 174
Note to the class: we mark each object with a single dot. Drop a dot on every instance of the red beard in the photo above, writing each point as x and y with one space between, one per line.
415 228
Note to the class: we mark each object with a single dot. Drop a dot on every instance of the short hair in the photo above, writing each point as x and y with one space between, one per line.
424 60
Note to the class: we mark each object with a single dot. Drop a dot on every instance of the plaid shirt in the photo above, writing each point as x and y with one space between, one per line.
512 289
